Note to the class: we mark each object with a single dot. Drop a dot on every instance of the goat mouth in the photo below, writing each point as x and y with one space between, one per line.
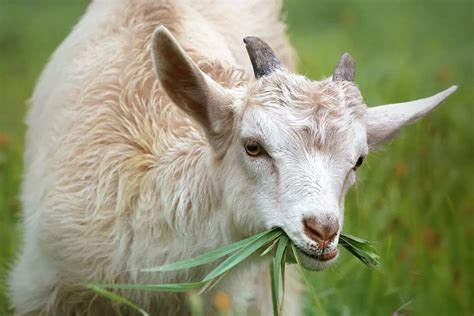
321 257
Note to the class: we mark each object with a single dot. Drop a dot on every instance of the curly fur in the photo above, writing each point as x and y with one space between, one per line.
103 138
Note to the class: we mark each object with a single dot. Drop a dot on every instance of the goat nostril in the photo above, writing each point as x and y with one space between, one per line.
323 234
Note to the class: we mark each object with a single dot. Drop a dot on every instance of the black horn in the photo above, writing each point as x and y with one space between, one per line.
264 60
345 70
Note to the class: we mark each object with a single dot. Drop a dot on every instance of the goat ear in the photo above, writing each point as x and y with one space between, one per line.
384 121
188 87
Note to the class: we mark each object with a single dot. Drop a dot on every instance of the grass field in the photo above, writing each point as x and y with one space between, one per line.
415 197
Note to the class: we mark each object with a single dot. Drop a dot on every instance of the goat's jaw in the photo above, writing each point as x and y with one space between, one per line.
313 256
317 262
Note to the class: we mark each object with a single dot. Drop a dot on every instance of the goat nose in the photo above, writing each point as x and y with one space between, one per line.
321 233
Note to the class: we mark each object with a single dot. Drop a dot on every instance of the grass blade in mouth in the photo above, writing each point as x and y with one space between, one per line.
269 248
275 271
243 253
315 296
283 264
355 239
275 289
117 298
173 287
205 258
239 251
361 249
242 249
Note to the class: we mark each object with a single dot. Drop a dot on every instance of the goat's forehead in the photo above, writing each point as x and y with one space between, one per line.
285 90
321 114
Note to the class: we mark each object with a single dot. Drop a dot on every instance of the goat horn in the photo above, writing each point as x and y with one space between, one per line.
264 60
345 70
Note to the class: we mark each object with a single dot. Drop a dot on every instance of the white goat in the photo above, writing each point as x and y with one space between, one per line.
123 171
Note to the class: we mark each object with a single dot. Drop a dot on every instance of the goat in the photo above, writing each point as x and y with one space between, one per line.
124 171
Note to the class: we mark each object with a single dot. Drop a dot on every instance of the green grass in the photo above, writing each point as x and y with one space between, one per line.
415 197
235 254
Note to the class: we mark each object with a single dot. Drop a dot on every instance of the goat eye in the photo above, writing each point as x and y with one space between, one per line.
253 148
358 163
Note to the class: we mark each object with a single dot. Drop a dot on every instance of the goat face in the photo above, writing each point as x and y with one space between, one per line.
288 147
294 154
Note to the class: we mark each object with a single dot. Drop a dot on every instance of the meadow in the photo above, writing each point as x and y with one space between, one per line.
414 197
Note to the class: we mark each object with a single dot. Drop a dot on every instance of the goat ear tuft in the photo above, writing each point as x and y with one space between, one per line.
384 121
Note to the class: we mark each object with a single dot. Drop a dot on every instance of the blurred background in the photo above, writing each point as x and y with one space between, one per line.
415 197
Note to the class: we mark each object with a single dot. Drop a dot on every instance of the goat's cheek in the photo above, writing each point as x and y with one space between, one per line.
351 179
256 168
348 182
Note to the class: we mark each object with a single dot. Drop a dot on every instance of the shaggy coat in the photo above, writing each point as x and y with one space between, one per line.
118 178
124 171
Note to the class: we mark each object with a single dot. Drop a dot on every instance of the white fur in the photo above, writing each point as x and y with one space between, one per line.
118 178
